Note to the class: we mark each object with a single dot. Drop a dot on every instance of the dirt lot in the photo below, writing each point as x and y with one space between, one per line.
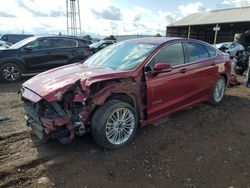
205 146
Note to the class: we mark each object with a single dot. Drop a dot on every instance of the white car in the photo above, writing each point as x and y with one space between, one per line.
4 45
230 47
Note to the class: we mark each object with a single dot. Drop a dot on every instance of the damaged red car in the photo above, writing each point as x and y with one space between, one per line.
126 85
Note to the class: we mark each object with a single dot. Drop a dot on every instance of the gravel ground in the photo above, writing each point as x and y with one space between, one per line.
204 146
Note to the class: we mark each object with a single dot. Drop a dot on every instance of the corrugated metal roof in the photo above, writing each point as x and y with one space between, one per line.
232 15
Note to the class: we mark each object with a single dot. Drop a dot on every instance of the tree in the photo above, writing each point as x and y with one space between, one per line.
87 37
158 35
111 37
237 37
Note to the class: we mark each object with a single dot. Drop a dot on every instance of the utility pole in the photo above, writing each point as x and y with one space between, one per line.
73 18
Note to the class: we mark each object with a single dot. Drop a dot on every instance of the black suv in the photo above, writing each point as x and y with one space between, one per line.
37 54
14 38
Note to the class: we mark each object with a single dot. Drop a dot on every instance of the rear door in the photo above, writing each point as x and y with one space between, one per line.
167 92
63 51
201 64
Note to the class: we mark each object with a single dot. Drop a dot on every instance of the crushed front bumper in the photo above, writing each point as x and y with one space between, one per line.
33 121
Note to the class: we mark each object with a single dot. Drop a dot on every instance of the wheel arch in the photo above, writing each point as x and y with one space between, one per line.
130 98
124 97
14 61
225 77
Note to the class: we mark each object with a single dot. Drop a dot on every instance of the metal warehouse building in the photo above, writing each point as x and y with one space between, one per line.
213 27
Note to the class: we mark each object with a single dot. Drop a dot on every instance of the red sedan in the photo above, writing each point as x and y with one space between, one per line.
131 83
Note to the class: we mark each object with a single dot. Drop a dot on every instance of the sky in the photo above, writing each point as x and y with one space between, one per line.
102 17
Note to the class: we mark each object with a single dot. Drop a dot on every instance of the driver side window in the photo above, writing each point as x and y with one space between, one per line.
172 54
41 44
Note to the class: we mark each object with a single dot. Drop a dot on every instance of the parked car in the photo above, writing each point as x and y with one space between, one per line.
130 83
38 54
97 46
241 61
231 48
4 45
14 38
247 77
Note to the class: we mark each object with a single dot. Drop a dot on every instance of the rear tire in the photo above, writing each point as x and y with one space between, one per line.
218 91
114 124
10 72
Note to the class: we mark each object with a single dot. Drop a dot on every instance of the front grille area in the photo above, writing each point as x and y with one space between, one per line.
33 112
33 119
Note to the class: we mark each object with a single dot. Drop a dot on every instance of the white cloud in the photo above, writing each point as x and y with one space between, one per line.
105 18
33 16
191 8
236 3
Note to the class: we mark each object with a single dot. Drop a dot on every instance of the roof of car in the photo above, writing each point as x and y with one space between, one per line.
153 40
56 36
16 34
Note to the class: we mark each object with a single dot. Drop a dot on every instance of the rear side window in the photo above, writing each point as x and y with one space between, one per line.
196 52
61 43
172 54
211 51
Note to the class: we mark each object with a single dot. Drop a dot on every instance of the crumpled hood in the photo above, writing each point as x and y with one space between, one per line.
55 80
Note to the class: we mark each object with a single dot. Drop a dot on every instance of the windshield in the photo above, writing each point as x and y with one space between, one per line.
121 56
22 43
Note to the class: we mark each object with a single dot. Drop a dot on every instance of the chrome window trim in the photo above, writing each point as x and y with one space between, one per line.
163 48
192 62
22 48
188 63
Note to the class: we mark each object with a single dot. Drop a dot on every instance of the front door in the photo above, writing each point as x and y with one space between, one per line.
37 58
167 91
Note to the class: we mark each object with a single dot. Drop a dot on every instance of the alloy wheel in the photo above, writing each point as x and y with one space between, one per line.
219 90
10 73
120 126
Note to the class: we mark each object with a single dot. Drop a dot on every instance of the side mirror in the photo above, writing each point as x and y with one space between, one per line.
28 48
161 67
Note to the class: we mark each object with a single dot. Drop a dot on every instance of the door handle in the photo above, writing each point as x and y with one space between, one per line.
213 64
183 70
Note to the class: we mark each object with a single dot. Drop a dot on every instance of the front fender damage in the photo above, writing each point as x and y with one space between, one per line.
72 113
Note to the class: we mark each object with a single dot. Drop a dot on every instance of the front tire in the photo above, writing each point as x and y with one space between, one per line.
114 124
10 72
218 91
